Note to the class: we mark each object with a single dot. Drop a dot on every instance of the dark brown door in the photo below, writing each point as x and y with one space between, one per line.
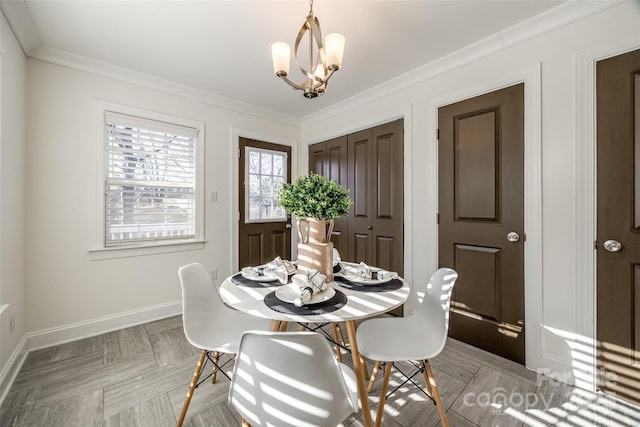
481 218
618 219
376 183
264 228
330 160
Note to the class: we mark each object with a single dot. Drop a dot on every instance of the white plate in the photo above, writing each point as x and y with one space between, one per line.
289 294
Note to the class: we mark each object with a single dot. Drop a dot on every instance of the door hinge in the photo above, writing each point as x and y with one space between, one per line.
595 244
437 218
239 153
438 134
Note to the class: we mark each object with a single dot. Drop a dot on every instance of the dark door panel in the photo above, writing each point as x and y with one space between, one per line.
618 218
481 187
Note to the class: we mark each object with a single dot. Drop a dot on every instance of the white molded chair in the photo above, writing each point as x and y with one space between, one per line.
291 379
416 338
209 324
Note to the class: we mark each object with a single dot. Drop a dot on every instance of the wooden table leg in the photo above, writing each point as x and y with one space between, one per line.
358 367
275 326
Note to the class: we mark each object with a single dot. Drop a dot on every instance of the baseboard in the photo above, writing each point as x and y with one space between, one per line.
11 368
556 369
75 331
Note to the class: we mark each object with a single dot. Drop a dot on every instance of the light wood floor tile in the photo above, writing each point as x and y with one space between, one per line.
132 391
81 410
42 374
17 407
170 346
154 412
126 344
221 415
494 398
95 380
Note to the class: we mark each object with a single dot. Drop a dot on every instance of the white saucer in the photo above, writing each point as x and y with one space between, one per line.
290 292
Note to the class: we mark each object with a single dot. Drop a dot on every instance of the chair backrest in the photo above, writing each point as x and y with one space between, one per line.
434 310
289 379
201 304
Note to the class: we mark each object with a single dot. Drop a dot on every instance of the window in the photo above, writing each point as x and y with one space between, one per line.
151 181
266 170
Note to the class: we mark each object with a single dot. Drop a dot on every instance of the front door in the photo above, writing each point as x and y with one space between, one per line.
618 225
481 218
264 227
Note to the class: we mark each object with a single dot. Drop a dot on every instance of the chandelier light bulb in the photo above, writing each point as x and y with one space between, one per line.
334 49
280 53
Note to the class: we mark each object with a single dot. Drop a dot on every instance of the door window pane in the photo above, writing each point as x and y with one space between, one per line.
266 171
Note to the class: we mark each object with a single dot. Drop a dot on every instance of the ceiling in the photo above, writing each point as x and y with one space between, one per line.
223 47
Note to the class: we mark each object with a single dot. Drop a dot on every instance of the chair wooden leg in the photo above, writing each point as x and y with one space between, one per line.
374 374
426 378
192 386
436 394
383 393
337 335
216 359
245 423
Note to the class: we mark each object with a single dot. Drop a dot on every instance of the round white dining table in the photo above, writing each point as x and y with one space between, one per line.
360 304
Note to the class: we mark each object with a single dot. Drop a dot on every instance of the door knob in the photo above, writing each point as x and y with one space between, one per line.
513 237
288 226
612 245
369 227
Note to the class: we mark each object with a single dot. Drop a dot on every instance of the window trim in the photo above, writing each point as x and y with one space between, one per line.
97 247
247 196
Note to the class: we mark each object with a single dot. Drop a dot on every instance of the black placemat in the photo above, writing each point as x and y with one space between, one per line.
334 303
238 279
392 285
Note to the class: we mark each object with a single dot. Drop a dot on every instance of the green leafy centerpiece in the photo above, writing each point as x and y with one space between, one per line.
316 202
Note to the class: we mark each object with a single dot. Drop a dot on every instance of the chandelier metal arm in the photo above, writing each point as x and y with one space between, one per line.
294 85
319 71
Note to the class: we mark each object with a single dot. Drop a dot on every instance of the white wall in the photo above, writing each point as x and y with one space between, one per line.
553 54
67 290
12 158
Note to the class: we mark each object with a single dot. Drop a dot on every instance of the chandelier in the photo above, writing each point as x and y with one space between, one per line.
320 69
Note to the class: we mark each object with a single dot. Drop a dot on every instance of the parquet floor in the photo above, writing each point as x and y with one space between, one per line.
139 377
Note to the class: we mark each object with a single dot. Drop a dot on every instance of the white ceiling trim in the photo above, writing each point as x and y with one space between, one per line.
16 11
82 63
565 14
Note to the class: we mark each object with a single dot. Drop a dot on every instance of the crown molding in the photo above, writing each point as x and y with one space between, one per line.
103 69
19 19
560 16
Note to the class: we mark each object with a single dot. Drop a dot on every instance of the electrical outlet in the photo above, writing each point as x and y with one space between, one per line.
12 322
213 274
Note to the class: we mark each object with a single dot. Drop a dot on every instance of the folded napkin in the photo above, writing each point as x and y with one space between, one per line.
363 271
279 268
253 271
310 284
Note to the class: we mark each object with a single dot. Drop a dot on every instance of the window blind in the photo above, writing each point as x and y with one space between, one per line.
150 181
